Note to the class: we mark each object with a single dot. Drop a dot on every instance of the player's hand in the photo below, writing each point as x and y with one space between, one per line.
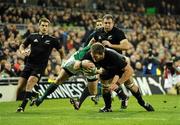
113 87
26 52
86 64
88 67
106 43
100 71
77 65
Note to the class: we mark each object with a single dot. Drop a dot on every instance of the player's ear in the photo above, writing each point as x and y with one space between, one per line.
91 53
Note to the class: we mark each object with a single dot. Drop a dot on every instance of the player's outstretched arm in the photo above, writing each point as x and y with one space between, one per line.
123 45
85 64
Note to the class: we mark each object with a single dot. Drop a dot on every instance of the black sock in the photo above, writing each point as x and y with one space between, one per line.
121 95
139 98
36 87
84 95
107 99
49 90
34 93
27 96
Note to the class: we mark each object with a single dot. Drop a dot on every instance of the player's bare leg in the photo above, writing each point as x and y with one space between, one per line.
59 80
30 84
136 93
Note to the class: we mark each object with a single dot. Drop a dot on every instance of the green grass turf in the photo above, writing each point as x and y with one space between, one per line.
61 112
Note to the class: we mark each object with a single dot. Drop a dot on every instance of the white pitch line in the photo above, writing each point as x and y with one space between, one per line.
115 118
141 119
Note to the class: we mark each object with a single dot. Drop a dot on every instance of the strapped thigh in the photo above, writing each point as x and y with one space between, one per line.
129 83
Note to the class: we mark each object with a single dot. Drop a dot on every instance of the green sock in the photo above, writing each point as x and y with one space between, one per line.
84 95
49 90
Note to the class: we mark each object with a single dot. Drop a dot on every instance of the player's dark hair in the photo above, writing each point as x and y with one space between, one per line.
99 20
44 20
97 48
108 16
95 21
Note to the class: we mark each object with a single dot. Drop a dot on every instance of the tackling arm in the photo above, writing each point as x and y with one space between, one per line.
123 45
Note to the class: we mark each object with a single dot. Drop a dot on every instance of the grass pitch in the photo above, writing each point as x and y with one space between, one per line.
61 112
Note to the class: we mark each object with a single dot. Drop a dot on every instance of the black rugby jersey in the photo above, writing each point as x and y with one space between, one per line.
113 61
114 36
41 47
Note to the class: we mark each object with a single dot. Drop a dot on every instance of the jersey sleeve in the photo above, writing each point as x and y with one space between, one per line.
121 63
95 35
57 44
27 41
89 38
87 56
120 35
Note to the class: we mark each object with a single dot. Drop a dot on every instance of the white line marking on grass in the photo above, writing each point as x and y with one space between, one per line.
115 118
141 119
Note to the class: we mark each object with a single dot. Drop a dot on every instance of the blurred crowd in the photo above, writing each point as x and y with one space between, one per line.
167 7
155 38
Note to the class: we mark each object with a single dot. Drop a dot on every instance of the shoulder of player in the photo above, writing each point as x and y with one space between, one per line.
86 56
33 34
113 54
53 38
99 30
111 51
116 29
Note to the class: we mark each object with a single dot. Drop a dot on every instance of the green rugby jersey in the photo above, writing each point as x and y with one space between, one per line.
80 53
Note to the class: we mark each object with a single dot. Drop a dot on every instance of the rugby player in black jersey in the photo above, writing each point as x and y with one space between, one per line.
37 49
111 37
115 66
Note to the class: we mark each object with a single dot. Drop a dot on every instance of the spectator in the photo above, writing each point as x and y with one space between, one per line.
6 70
172 77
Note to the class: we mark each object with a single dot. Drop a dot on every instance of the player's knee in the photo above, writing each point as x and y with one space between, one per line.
19 87
93 92
92 87
33 79
106 90
29 86
31 82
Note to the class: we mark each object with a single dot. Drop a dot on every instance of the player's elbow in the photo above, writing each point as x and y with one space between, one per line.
129 46
126 45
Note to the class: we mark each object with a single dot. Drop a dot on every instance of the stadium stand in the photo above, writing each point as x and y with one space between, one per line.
155 34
